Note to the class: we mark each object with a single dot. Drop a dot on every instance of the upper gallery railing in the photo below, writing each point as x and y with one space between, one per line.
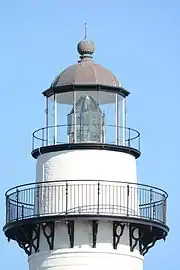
108 134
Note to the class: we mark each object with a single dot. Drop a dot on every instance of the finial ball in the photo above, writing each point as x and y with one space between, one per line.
86 47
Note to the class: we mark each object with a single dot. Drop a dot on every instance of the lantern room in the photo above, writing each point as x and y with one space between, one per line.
86 104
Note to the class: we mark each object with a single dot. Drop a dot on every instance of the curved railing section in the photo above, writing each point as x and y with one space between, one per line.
64 134
82 197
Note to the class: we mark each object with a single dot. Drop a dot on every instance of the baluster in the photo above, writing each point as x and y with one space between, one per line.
17 200
66 197
127 200
98 198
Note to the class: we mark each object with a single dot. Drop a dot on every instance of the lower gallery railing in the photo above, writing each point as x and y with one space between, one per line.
84 197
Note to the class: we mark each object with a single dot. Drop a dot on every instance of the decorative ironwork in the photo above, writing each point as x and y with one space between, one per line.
35 238
70 225
28 239
24 245
94 232
134 237
48 231
144 237
146 247
118 229
141 236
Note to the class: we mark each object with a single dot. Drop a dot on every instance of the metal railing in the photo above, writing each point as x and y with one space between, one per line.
86 197
109 134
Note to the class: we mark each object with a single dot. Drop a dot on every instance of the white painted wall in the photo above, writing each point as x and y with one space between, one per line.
86 164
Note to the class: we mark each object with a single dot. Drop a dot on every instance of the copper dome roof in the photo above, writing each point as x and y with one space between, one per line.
85 72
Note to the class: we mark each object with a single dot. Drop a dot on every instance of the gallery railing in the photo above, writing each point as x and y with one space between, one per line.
106 134
82 197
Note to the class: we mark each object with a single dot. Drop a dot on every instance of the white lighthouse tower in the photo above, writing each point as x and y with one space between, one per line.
86 209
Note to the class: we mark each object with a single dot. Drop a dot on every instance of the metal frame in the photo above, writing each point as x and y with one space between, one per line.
55 120
124 119
74 120
117 119
47 121
79 87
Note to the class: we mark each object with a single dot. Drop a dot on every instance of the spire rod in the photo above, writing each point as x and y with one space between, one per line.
85 30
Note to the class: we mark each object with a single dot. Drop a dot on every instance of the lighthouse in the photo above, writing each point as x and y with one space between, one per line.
86 208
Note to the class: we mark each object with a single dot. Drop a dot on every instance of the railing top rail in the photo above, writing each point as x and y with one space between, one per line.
138 185
132 137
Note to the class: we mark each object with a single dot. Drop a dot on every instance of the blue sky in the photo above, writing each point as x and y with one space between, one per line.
139 42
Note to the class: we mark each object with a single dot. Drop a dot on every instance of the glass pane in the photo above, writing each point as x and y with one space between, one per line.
107 103
50 129
58 109
64 106
121 120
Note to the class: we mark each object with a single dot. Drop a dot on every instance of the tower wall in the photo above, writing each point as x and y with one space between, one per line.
82 256
86 165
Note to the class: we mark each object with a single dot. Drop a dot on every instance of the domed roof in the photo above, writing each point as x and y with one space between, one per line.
86 72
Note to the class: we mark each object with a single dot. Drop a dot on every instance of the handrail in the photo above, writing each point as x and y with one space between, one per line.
87 180
86 197
119 135
121 127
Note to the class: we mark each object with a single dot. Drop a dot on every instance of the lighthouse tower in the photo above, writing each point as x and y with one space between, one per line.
86 209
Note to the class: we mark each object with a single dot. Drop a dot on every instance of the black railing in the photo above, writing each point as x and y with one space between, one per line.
108 134
82 197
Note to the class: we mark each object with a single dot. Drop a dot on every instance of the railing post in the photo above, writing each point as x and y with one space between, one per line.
43 137
66 197
129 136
164 209
154 211
98 198
22 212
127 200
7 209
33 142
103 130
17 200
47 136
38 201
151 200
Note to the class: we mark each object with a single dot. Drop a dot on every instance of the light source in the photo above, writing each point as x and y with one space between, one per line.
89 121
